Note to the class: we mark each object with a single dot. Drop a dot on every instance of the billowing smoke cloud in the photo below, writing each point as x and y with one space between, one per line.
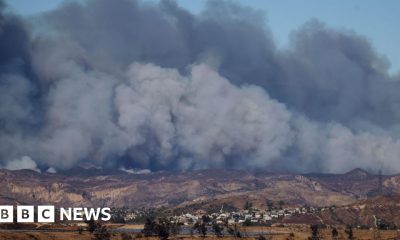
24 163
138 85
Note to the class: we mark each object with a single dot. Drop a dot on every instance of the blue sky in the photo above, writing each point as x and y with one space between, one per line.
377 20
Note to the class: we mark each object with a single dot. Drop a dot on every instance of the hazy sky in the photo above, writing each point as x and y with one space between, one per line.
377 20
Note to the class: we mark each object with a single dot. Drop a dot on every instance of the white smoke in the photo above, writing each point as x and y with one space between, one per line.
154 111
24 162
51 170
335 148
210 120
135 171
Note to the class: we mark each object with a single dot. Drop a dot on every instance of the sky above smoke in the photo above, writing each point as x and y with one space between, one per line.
137 85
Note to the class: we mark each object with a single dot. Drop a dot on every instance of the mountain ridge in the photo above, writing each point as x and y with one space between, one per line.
116 188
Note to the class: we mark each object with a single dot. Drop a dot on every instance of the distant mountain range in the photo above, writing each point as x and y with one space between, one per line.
356 197
197 189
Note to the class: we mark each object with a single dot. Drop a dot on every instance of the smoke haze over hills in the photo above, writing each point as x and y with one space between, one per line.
149 85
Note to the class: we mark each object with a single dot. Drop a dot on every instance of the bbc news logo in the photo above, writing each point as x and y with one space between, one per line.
46 214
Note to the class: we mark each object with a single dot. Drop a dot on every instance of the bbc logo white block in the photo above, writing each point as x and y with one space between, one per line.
6 214
45 214
25 214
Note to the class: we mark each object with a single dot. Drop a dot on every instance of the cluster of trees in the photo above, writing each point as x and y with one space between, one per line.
315 234
381 225
217 229
99 231
349 232
166 227
162 228
385 225
271 205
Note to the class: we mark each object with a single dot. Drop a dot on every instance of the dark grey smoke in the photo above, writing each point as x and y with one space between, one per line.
140 85
19 90
337 76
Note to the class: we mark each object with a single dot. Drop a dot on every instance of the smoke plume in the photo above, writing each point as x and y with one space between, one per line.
136 85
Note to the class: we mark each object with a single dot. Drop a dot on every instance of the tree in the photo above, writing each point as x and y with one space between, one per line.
101 233
314 232
175 228
349 232
385 225
335 233
291 236
91 225
149 227
281 203
270 205
217 229
247 222
201 228
248 205
163 228
206 219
